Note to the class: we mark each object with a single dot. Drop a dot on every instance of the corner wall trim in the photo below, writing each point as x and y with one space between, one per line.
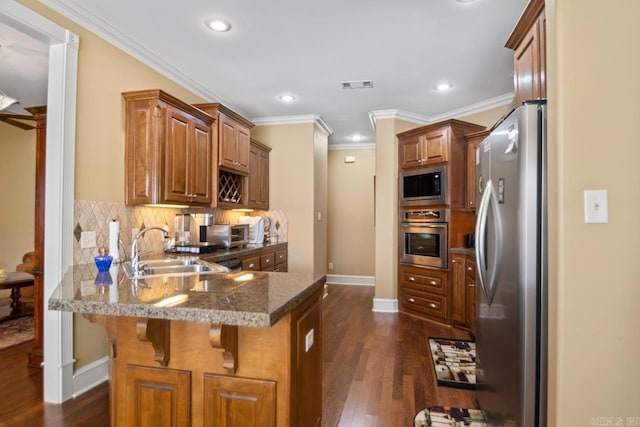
89 376
385 305
340 279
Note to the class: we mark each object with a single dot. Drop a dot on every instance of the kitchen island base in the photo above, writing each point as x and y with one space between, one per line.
181 373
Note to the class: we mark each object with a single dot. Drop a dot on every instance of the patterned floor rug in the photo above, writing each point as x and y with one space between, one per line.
445 416
16 331
454 362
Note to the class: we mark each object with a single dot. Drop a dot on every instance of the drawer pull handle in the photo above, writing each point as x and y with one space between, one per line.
432 305
411 300
252 265
472 285
433 283
412 279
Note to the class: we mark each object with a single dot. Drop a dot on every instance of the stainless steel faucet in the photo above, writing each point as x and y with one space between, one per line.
135 253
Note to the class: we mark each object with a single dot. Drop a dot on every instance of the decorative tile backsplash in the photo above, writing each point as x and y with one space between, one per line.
95 216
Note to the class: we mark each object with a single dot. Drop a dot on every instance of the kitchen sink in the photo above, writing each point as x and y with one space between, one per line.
174 266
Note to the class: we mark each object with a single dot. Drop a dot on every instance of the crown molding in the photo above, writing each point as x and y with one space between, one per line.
292 120
77 13
468 110
353 146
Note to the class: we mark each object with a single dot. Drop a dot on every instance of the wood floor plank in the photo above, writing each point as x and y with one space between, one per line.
376 372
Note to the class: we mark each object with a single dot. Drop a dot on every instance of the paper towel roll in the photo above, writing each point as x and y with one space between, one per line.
114 236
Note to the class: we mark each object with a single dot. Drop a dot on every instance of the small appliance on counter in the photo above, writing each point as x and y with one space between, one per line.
228 235
191 234
256 228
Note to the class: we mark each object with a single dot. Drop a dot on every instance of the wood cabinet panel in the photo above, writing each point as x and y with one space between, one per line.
233 401
258 176
281 256
463 287
473 142
251 263
307 378
436 143
411 149
424 292
157 397
528 40
168 151
233 145
267 260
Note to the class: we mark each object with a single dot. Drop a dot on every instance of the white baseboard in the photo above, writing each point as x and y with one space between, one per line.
89 376
385 305
340 279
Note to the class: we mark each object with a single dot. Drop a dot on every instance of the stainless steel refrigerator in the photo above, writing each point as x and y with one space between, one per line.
511 257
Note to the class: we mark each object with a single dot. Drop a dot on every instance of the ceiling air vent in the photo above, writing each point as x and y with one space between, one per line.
357 84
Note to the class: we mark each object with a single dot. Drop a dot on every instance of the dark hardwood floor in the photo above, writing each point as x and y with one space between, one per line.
376 370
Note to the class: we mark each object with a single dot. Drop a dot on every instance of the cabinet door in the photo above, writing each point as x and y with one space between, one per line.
411 152
200 164
227 142
254 177
263 201
530 63
251 264
458 300
242 149
436 146
141 152
176 156
157 397
239 402
470 291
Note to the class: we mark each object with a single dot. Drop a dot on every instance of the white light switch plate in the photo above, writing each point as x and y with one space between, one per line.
88 239
596 207
308 341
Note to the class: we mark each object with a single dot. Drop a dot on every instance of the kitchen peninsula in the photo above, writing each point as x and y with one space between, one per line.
240 349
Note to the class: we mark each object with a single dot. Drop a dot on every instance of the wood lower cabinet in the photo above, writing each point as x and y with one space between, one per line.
424 292
230 402
258 176
177 373
157 397
168 151
528 40
267 259
463 289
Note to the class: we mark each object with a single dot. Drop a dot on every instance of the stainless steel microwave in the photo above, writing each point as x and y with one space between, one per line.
424 186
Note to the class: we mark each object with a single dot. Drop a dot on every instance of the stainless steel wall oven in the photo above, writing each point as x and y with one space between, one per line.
424 237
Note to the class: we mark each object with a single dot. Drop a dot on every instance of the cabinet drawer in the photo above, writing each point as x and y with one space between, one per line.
434 306
423 280
281 256
251 264
283 267
267 261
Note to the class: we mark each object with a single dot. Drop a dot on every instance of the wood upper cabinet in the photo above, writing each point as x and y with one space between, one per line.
168 151
233 138
463 289
440 143
258 175
528 40
473 142
422 150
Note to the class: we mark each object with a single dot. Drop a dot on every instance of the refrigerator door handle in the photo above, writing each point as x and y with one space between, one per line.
488 277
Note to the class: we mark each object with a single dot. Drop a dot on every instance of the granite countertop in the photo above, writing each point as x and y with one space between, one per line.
214 298
463 251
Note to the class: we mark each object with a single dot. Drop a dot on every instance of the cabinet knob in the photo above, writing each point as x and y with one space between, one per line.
267 261
454 261
432 305
252 265
281 256
472 285
412 279
469 269
433 283
411 300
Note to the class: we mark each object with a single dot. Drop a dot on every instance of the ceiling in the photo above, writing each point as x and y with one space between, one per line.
306 49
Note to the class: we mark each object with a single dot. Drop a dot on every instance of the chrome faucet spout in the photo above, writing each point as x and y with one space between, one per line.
134 259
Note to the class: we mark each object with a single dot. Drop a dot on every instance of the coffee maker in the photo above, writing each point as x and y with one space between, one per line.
202 221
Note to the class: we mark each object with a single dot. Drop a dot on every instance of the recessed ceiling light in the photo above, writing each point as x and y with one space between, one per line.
218 24
356 137
443 87
287 98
